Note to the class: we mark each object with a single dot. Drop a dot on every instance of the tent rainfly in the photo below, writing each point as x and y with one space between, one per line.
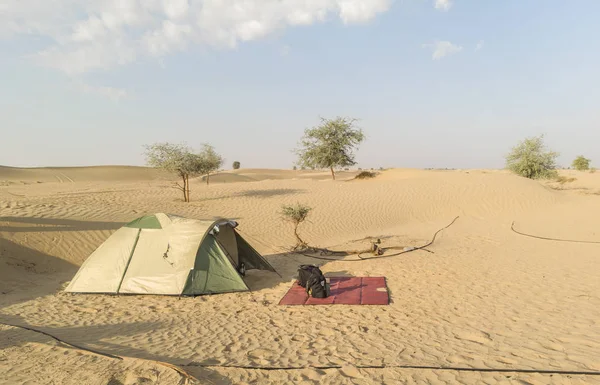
170 255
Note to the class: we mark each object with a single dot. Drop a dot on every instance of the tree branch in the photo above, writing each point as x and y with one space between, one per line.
177 186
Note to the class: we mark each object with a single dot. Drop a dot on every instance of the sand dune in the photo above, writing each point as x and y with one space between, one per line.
486 298
15 175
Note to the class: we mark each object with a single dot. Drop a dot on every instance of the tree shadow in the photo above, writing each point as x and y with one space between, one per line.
265 193
268 193
53 224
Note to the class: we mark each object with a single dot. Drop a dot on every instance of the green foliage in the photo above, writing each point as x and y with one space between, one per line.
581 163
236 165
531 159
180 159
296 214
211 161
295 168
177 158
592 170
330 145
365 175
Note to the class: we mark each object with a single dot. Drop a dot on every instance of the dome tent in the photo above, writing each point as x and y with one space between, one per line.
170 255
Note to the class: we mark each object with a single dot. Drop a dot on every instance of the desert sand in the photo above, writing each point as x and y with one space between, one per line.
485 298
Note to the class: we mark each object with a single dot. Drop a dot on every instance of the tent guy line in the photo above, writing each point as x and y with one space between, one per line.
512 227
273 368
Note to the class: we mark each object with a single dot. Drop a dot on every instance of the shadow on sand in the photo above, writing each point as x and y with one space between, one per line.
53 224
26 273
11 337
267 193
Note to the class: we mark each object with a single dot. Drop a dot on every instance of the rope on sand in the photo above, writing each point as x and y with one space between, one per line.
180 371
189 377
512 227
416 367
376 257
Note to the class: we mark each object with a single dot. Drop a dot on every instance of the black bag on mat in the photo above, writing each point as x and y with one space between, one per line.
312 278
317 286
305 271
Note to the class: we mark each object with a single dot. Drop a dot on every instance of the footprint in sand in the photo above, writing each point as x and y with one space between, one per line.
350 372
479 337
261 354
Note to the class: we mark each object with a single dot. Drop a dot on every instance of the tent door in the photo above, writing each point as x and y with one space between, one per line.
227 241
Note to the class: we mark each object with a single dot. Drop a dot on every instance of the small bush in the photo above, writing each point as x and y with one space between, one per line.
295 168
581 163
296 214
563 179
366 175
236 165
359 169
592 170
531 159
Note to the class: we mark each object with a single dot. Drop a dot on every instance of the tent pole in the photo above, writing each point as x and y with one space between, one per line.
137 238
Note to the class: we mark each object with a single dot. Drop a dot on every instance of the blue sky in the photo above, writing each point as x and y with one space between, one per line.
434 83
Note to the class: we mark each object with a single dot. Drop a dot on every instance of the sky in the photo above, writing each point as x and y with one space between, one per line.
433 83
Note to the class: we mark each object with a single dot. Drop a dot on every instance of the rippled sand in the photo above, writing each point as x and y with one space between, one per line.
485 298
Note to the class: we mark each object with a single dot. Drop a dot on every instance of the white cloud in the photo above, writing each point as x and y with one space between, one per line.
92 35
285 50
443 5
479 45
113 93
443 48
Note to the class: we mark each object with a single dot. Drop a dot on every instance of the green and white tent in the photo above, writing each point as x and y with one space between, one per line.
171 255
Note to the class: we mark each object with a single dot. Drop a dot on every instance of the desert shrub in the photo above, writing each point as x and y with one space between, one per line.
296 214
359 169
365 175
592 170
295 168
531 159
581 163
563 179
236 165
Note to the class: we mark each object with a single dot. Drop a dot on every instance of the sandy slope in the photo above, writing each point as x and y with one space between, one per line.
487 297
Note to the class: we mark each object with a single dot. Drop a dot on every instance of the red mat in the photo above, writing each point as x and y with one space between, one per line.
344 291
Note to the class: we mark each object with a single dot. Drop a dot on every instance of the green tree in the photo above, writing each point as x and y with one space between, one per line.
176 158
210 161
330 144
581 163
236 165
531 159
296 214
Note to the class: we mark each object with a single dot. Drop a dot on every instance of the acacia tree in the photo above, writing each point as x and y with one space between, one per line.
180 159
581 163
176 158
210 161
330 144
531 159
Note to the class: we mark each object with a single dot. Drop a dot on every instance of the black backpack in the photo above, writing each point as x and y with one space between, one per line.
312 278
